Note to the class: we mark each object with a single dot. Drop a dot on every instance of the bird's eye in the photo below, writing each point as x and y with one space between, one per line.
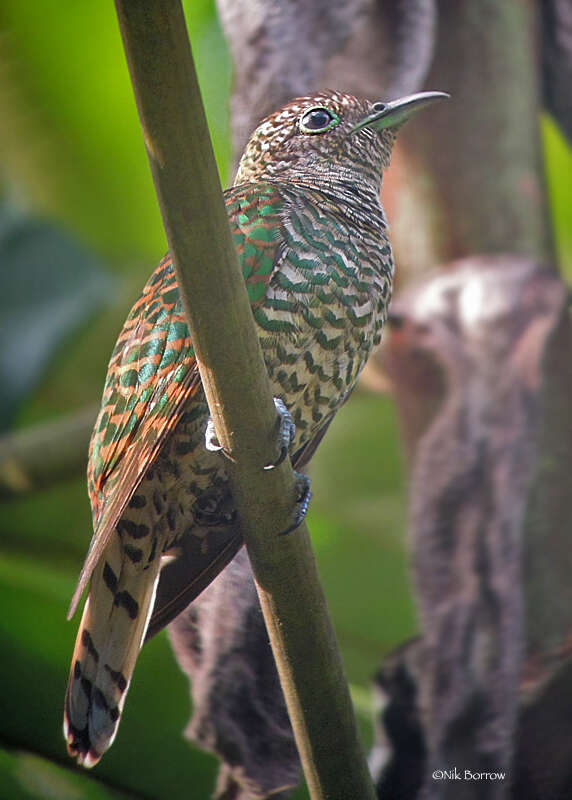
318 120
378 107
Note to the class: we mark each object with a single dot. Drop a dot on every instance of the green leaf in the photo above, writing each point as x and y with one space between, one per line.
50 284
150 756
24 776
70 135
558 155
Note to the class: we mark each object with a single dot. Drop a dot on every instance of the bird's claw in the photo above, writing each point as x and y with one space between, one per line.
212 443
286 435
303 495
286 432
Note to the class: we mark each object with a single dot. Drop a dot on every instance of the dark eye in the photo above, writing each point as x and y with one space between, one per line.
378 106
318 120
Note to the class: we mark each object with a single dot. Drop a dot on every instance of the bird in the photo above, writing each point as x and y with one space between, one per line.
312 241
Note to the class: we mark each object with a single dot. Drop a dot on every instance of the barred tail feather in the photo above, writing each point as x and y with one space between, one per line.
112 630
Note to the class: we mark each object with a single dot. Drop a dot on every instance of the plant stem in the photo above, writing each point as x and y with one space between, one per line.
239 396
44 454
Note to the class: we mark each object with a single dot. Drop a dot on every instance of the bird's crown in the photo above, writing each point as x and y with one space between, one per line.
308 133
319 136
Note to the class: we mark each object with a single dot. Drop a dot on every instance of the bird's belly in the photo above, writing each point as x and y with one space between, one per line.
316 379
321 316
188 485
187 488
313 372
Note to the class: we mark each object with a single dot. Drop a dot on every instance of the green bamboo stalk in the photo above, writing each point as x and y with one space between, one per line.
239 396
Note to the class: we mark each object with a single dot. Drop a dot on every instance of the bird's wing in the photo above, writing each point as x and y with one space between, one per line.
153 372
186 573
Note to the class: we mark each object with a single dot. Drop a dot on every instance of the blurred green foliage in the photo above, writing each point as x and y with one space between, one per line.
558 155
71 139
52 286
72 152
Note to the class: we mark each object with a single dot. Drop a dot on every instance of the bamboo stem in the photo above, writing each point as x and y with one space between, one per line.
239 396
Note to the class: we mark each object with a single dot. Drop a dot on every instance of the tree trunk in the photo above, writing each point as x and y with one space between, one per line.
479 362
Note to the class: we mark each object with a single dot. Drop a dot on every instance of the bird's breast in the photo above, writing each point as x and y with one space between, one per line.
323 312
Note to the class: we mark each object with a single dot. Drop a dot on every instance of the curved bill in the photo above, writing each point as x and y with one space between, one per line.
396 112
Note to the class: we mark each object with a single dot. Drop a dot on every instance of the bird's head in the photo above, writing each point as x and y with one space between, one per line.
329 134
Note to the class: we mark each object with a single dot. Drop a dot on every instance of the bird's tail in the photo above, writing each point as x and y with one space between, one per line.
112 629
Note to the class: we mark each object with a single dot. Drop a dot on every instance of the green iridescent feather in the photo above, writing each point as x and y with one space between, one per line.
153 373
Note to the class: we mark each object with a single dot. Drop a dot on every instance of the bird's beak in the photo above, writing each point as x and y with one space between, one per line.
396 112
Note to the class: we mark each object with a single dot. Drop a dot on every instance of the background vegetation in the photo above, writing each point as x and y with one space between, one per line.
79 233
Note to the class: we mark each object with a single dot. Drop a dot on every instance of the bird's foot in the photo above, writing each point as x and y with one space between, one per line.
303 495
286 432
211 441
286 435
